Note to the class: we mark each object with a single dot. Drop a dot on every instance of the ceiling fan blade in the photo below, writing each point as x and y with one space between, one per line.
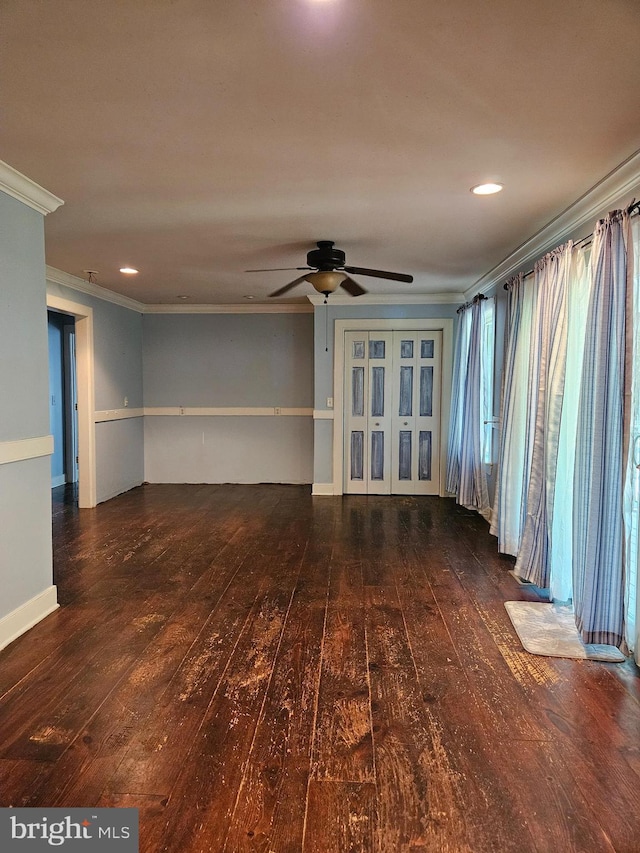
393 276
287 287
352 287
281 269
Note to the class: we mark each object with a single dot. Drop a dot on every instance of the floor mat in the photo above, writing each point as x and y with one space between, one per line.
546 629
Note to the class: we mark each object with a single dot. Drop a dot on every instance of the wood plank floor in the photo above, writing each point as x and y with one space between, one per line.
255 669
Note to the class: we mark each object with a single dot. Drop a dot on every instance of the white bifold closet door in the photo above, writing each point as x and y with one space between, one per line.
392 388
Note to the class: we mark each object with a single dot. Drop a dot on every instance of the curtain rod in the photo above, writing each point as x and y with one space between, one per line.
477 298
632 210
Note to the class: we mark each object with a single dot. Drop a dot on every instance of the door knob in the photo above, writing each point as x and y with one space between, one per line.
406 423
377 423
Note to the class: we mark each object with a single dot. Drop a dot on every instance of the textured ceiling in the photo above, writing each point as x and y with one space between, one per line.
195 139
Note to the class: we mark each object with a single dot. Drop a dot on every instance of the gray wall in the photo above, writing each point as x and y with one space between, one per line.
23 323
117 335
228 449
25 487
119 456
228 360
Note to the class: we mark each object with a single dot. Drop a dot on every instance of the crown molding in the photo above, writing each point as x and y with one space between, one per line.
55 276
18 186
608 192
391 299
259 308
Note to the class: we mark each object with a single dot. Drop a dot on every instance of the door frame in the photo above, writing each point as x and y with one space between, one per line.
443 324
85 388
71 403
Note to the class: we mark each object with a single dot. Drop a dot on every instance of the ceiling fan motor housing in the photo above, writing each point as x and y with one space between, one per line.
325 258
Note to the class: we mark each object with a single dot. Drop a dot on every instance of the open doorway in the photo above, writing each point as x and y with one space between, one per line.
82 316
63 407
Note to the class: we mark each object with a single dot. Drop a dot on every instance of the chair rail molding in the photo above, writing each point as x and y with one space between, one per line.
25 448
226 411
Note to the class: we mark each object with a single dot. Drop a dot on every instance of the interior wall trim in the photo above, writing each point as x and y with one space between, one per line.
27 615
227 411
117 414
23 189
56 276
25 448
322 489
323 414
609 192
454 298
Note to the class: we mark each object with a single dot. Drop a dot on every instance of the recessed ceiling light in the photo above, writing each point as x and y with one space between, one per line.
128 270
182 297
486 189
249 297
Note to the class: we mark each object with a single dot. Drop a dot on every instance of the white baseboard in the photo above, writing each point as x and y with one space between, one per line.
27 615
322 489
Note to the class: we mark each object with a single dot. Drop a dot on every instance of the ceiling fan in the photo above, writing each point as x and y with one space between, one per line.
328 272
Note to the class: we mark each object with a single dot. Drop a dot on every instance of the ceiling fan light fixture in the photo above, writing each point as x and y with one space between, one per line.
326 282
129 270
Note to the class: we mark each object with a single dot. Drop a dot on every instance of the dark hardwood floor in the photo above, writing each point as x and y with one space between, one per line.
259 670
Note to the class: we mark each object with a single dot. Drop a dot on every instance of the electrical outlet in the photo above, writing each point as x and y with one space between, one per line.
329 402
126 402
277 410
